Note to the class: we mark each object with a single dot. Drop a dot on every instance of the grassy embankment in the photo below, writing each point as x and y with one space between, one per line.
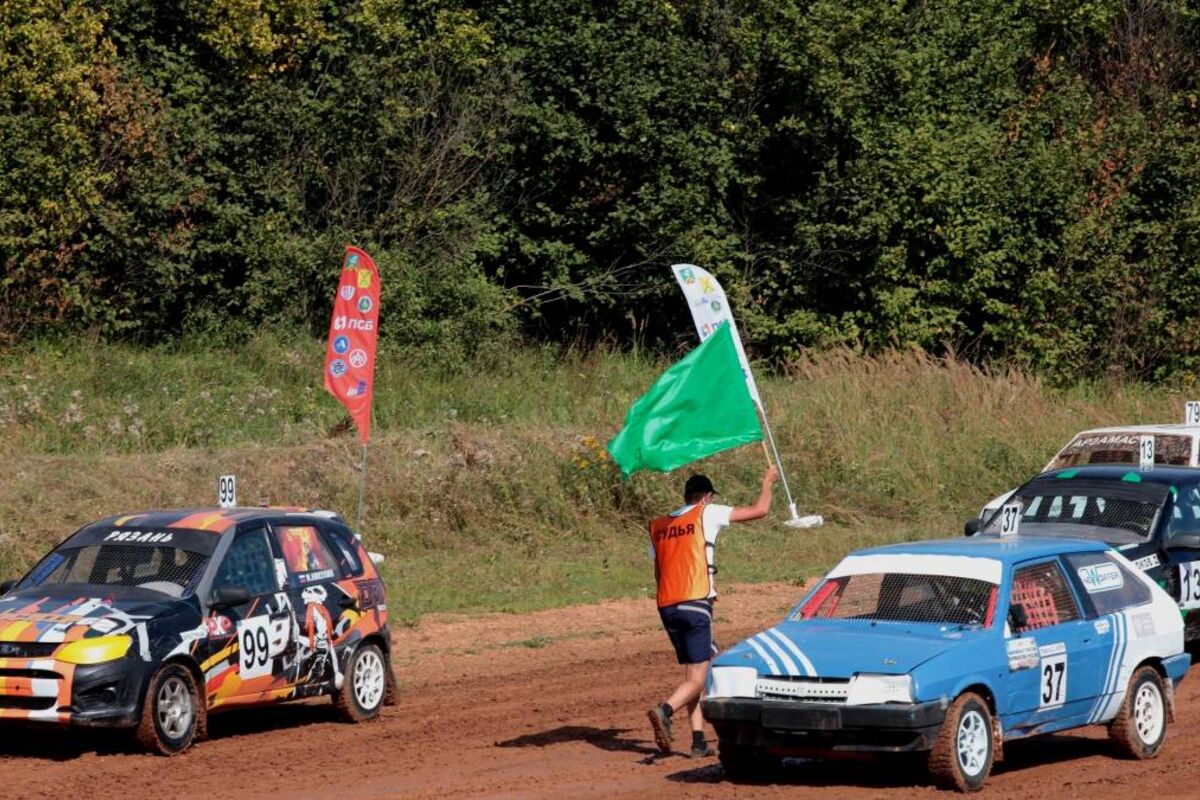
487 487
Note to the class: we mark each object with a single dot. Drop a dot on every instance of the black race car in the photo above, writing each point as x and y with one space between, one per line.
150 621
1151 516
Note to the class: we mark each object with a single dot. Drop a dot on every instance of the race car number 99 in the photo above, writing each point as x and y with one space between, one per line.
1189 584
254 646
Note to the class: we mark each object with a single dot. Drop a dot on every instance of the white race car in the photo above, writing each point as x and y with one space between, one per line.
1175 445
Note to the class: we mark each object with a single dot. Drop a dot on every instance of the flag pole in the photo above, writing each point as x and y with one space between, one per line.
362 485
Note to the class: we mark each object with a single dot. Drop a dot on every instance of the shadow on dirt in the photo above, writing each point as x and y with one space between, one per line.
66 744
901 771
609 739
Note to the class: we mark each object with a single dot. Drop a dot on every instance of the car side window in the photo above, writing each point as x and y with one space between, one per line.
346 553
1107 584
1185 512
1043 592
250 563
309 558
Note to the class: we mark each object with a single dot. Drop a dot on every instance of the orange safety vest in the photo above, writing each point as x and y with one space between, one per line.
681 561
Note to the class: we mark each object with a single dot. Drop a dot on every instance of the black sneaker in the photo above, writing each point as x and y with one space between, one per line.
662 728
701 751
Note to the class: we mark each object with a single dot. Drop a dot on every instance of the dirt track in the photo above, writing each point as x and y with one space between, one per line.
542 705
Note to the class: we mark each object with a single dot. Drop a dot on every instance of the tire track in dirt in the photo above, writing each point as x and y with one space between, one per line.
549 704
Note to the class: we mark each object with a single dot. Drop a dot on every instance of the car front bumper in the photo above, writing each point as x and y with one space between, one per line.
790 727
47 690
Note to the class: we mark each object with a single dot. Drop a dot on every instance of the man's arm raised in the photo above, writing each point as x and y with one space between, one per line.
763 504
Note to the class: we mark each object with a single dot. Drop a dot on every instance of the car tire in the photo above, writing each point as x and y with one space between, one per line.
365 686
172 713
1140 727
964 751
742 763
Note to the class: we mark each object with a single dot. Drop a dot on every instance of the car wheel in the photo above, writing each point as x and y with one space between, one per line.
742 763
172 713
365 687
1140 727
962 756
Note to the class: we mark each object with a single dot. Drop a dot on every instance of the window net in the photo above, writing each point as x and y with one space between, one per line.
164 569
1084 513
902 597
1043 591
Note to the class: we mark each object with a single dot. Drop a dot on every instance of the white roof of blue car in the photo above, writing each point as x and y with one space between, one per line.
1007 550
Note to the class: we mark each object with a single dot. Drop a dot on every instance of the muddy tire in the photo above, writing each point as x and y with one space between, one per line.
173 713
746 764
963 754
1140 727
365 686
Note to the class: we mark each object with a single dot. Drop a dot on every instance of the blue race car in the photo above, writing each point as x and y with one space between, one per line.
952 648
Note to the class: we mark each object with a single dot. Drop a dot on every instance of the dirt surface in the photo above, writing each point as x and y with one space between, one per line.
550 704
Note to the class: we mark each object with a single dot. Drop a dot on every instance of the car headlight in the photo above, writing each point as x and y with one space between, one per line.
870 689
96 650
732 682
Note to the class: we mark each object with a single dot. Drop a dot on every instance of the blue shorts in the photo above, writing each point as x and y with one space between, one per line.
689 625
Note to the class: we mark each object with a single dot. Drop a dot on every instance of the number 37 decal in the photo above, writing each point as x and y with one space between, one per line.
1053 684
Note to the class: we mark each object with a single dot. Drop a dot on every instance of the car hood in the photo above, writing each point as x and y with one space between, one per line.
841 648
39 614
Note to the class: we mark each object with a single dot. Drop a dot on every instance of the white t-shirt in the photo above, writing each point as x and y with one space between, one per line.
715 520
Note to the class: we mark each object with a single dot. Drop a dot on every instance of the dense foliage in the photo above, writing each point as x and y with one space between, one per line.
1006 178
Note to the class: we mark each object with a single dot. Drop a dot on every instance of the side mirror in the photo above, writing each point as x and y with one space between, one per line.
229 596
972 526
1187 541
1018 617
7 586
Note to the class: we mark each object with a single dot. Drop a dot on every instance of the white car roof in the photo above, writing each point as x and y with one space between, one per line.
1180 430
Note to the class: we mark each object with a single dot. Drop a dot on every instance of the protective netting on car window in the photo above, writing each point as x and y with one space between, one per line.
903 597
1123 448
1042 591
1073 513
164 569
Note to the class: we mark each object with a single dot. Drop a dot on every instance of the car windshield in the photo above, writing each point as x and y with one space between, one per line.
904 597
1116 511
162 568
1122 448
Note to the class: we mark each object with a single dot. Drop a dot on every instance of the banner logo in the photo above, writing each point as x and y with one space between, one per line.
353 332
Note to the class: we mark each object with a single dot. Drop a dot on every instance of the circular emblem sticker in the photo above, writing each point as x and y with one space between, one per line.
358 359
364 304
341 344
337 368
347 291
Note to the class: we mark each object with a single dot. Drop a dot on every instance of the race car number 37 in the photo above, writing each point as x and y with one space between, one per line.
254 645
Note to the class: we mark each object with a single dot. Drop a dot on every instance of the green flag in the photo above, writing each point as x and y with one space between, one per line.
698 407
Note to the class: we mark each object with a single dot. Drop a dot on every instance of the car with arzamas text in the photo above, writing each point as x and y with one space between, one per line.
150 621
950 649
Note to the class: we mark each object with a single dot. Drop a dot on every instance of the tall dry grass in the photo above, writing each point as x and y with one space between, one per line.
488 487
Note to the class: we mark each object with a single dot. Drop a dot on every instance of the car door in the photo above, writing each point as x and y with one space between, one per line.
1120 604
251 625
312 574
1055 660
